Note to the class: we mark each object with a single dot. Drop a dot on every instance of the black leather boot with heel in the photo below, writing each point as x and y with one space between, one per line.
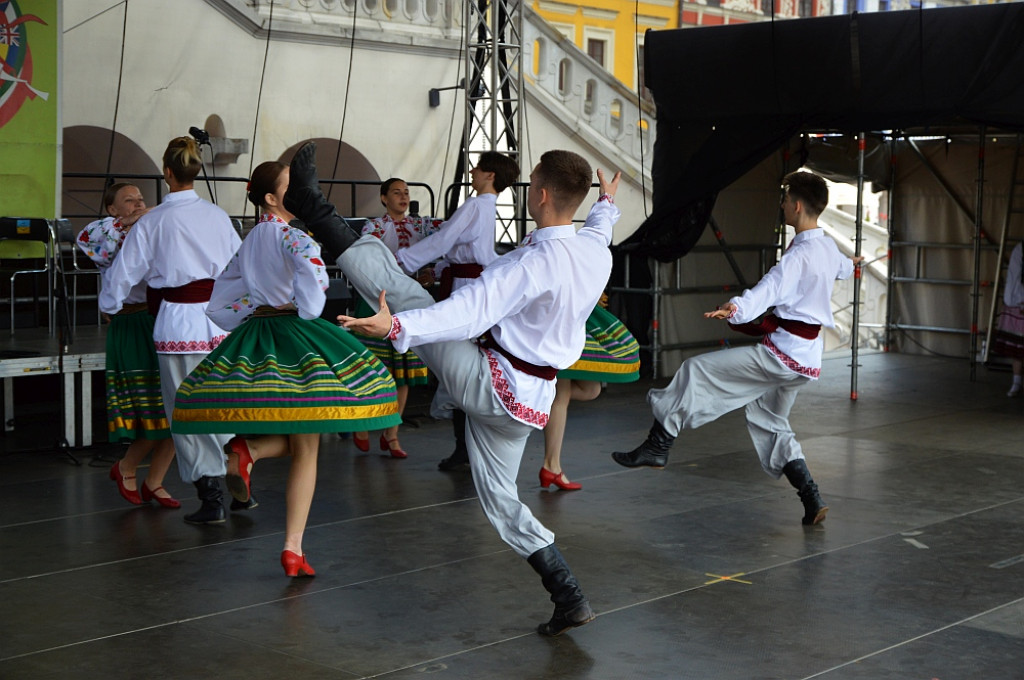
799 476
652 453
571 607
212 509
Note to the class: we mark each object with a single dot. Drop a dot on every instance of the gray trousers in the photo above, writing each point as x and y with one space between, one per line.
494 439
198 455
710 385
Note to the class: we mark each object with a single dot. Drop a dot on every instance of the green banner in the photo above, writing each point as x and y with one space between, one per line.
29 132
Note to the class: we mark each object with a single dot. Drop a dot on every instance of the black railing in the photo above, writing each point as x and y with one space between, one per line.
91 209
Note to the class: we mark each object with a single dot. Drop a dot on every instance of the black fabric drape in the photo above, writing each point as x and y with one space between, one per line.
729 96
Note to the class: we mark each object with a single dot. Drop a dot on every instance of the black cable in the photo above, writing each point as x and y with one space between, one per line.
100 13
451 123
259 99
209 187
117 106
906 335
344 106
639 104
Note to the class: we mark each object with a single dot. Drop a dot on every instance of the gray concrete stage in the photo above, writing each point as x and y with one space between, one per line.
702 570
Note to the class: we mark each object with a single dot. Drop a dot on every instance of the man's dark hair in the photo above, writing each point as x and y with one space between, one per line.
566 175
809 189
506 170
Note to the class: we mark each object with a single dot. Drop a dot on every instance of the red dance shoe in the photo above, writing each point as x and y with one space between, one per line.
295 565
127 494
547 478
361 444
150 495
396 451
238 484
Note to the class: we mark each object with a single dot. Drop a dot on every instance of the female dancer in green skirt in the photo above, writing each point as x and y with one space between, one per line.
611 355
135 409
396 230
284 375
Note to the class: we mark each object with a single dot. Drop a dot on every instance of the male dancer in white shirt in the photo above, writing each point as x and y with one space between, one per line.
465 245
530 304
178 249
764 378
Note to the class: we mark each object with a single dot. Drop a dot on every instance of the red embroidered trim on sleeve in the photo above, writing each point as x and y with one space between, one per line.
396 328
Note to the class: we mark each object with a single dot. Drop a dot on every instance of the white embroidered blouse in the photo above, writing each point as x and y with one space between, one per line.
276 266
101 241
403 233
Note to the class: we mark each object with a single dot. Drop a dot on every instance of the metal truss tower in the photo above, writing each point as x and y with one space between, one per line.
494 87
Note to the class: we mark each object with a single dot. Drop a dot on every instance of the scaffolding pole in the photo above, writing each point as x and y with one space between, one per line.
890 270
978 234
859 231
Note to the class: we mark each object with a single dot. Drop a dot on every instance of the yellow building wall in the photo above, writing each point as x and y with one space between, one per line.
621 22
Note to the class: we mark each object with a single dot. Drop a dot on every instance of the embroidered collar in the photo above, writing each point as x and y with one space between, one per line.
270 217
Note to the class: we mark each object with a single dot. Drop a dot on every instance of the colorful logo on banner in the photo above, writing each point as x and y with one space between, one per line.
15 60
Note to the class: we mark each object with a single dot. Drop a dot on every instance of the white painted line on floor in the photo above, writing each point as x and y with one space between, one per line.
916 543
1010 561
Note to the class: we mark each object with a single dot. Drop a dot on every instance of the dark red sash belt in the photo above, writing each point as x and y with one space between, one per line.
487 341
194 291
466 270
768 325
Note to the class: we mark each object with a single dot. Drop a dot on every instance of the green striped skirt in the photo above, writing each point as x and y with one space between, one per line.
407 368
286 375
611 353
135 409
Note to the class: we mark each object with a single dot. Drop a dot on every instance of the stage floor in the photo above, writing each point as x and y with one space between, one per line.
701 570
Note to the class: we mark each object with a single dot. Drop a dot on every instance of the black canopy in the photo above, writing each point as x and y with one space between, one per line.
729 96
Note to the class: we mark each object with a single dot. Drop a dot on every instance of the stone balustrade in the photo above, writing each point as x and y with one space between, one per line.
592 98
584 96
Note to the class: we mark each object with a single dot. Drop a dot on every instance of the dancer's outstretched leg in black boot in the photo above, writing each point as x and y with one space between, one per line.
653 452
571 607
800 477
305 200
212 509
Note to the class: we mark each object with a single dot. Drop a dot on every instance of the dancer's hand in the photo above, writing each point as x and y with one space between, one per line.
723 312
376 326
129 220
608 187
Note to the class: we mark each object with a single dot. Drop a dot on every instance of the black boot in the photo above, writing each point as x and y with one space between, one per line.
237 505
459 460
212 510
305 200
653 452
800 477
571 608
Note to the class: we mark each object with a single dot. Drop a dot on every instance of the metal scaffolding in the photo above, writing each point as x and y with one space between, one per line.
494 89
